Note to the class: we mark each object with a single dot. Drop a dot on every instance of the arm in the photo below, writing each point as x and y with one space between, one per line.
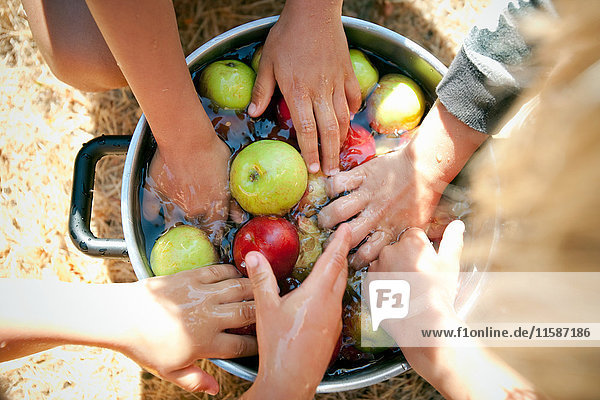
459 373
306 54
145 42
493 65
480 85
297 332
164 324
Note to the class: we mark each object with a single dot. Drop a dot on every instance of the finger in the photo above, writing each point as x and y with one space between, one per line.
264 85
263 281
306 130
332 263
233 290
414 237
370 250
193 379
352 91
345 181
342 113
343 209
452 243
329 134
236 315
229 345
414 245
362 226
340 284
214 273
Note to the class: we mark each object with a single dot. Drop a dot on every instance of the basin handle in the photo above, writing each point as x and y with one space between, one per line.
84 174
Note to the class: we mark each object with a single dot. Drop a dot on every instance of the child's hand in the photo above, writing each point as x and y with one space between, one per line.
195 178
306 54
297 333
454 371
387 194
403 188
415 253
182 318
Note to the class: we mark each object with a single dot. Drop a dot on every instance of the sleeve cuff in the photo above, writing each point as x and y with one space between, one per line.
465 94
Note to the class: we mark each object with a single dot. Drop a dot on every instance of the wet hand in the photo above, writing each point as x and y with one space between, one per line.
306 54
387 195
401 189
415 253
196 179
181 318
297 332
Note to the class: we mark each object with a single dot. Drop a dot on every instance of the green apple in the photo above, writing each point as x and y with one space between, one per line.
365 72
256 58
315 197
181 248
355 319
268 177
228 83
312 239
396 105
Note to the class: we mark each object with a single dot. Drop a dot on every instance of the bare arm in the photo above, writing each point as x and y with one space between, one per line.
459 373
306 54
144 40
164 324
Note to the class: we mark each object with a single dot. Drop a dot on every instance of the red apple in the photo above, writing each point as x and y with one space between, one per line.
284 116
358 148
276 238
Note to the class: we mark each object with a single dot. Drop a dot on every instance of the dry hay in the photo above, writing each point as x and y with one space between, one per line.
43 124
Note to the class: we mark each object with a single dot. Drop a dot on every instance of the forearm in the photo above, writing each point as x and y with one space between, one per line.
459 373
145 42
276 387
319 10
442 146
47 314
465 373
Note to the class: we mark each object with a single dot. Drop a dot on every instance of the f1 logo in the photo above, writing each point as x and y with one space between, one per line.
389 299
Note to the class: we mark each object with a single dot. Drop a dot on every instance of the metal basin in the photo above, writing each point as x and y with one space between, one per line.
409 56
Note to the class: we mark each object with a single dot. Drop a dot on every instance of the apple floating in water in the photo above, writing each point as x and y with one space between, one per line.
268 177
256 58
312 239
396 105
182 248
366 74
228 83
315 196
371 342
358 148
275 238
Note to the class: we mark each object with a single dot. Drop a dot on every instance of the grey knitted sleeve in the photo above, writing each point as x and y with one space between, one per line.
492 66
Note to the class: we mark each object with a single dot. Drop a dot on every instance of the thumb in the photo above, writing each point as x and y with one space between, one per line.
452 243
264 284
332 265
193 379
262 90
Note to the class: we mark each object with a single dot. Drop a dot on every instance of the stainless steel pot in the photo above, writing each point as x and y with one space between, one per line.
409 56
